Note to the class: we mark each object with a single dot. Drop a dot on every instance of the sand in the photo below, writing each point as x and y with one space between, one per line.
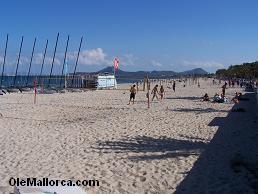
96 135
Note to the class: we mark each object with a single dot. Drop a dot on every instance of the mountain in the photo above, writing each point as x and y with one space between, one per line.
196 71
110 70
119 72
126 76
139 75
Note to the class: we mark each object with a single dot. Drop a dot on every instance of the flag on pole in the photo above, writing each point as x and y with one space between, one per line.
116 63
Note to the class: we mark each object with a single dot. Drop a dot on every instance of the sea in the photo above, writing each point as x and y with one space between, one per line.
54 81
23 81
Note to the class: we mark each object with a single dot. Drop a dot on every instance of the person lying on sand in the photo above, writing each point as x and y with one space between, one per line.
132 94
205 97
219 98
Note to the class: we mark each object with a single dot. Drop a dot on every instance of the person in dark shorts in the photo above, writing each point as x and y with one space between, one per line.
224 89
174 86
155 92
161 92
132 94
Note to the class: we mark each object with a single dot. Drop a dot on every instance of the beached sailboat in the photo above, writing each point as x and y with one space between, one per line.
13 88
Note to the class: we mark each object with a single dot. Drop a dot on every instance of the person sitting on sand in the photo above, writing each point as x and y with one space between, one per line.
132 94
155 92
223 98
237 97
205 97
161 92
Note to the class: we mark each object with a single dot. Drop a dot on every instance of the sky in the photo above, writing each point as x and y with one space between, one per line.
145 35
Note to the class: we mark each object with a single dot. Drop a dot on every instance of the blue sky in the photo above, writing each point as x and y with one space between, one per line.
144 34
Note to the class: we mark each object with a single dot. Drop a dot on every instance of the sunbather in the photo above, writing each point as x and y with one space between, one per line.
219 98
237 97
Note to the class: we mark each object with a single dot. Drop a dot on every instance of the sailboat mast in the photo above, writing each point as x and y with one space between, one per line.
67 42
18 61
31 61
43 60
5 50
77 59
53 60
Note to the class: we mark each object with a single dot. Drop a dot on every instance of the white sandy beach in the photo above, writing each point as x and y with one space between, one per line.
96 135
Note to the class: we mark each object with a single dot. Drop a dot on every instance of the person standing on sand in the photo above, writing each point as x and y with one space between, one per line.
174 86
132 94
155 93
161 92
224 89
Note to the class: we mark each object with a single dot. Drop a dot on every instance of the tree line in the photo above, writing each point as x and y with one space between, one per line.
246 70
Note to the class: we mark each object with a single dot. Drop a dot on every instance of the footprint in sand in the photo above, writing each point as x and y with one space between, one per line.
142 178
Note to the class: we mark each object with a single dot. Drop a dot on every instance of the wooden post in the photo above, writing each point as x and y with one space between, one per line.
148 93
144 82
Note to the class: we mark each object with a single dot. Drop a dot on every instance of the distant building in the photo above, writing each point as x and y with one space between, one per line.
99 81
106 81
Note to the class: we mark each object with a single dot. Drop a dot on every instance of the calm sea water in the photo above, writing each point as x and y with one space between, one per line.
22 81
55 81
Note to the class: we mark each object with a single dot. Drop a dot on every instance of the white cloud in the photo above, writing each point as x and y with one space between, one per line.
38 59
24 60
1 60
156 63
203 64
128 60
90 57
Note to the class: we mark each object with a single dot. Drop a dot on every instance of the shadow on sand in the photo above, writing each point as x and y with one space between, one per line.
229 163
150 148
185 98
198 110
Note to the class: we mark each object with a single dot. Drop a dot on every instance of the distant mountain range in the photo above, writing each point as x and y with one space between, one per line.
196 71
151 74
